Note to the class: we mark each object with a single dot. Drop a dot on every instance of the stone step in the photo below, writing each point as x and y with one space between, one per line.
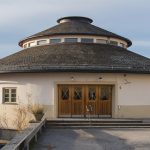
94 121
115 123
94 124
84 127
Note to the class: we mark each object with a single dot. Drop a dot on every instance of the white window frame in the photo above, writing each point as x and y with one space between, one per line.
9 102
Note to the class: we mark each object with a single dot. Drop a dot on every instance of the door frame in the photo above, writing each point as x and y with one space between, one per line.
113 101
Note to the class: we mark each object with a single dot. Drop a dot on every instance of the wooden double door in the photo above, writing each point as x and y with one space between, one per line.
85 100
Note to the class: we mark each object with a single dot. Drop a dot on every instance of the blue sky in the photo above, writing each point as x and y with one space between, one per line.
129 18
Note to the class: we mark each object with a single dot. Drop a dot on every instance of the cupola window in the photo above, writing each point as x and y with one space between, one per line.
113 43
25 45
55 40
31 44
71 40
102 41
41 42
122 45
86 40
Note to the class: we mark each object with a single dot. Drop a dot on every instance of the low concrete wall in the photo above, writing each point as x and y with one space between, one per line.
22 140
6 134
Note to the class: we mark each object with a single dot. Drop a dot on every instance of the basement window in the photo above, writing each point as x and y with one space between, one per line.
9 95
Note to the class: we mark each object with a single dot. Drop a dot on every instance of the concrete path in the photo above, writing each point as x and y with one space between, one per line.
94 139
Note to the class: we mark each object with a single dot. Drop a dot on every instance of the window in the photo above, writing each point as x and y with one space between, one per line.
71 40
113 43
105 93
65 93
102 41
41 42
92 93
55 40
78 93
25 45
31 44
86 40
122 45
9 95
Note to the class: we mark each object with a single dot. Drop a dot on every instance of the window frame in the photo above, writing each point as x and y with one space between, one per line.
9 95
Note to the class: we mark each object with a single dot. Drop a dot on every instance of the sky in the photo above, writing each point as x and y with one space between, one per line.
22 18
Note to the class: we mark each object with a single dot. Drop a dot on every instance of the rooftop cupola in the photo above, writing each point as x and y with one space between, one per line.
75 18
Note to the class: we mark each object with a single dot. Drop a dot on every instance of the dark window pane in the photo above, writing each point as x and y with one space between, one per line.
92 93
105 92
13 95
13 99
71 40
55 40
13 90
6 90
65 93
86 40
6 95
113 43
77 93
6 99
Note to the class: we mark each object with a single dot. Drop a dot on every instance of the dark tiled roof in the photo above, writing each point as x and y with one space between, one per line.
77 28
75 57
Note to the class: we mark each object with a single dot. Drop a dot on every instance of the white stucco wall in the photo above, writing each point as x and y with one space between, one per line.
129 90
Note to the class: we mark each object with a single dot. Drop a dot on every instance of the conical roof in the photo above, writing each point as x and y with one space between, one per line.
76 26
75 57
78 56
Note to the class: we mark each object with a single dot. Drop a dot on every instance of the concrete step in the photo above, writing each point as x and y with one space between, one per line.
84 127
97 123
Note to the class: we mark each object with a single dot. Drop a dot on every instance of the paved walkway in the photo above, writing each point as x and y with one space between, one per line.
94 139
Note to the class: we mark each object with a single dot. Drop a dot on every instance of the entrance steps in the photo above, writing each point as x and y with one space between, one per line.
97 123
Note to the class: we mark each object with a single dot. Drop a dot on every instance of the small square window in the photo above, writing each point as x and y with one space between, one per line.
9 95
